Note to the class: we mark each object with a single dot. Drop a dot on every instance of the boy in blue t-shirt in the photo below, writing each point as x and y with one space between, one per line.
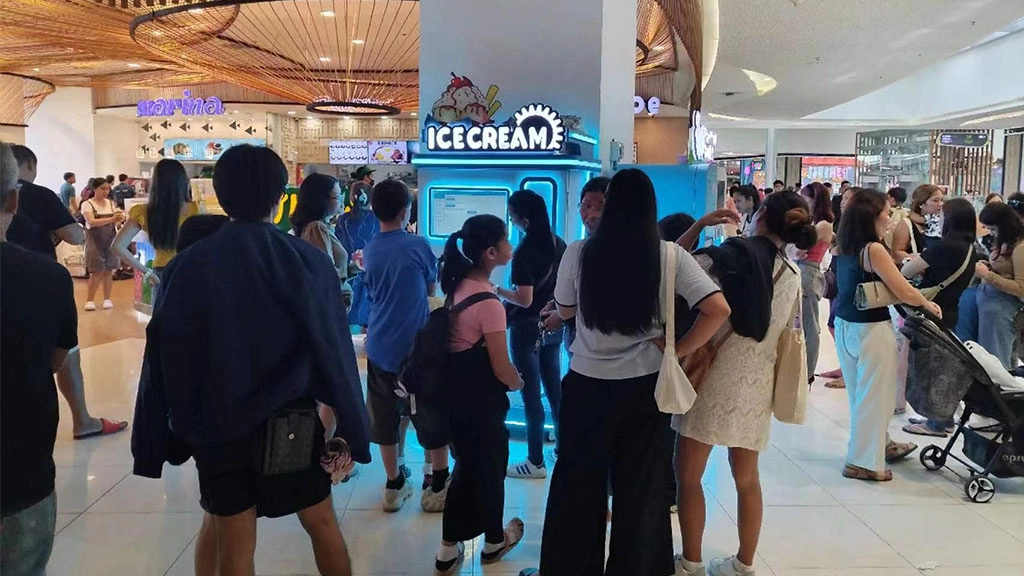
401 272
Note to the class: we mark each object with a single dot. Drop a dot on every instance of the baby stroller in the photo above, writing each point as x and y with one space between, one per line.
942 373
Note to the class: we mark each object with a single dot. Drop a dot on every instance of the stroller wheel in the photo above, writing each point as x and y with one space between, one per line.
979 489
932 458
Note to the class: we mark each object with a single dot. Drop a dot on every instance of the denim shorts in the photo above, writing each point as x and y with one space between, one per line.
28 539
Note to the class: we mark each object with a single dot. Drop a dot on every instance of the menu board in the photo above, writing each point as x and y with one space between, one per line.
348 152
388 152
450 207
185 149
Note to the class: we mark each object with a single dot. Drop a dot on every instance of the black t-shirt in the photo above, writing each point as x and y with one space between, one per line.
47 213
531 269
944 257
37 316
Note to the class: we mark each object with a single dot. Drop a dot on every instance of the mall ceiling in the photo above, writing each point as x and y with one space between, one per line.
822 53
349 56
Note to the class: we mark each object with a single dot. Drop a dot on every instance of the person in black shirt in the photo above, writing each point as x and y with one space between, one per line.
535 353
122 191
41 223
38 325
943 263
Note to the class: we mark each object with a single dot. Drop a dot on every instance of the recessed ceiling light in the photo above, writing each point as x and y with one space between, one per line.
658 48
325 59
346 117
196 11
358 41
234 111
36 69
292 112
309 117
156 33
763 83
327 14
412 114
134 65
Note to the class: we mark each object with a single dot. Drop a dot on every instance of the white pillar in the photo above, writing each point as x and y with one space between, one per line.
618 78
770 158
62 136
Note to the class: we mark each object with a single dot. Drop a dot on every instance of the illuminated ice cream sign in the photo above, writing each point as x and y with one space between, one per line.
462 119
187 105
534 128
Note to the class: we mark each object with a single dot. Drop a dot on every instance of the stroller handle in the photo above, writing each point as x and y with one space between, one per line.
905 309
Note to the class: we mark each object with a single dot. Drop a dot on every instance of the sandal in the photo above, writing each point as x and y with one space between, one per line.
918 420
513 536
897 451
836 384
107 428
858 473
923 430
837 373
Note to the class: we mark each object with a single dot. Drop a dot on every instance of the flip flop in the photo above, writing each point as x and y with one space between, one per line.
923 430
858 473
836 384
108 427
897 451
919 420
513 536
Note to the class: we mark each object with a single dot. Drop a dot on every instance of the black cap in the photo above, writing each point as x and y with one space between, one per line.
362 172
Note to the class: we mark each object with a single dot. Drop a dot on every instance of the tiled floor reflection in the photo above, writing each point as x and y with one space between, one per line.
816 523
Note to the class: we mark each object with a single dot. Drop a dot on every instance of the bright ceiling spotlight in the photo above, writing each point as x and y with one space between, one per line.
325 59
196 11
358 41
291 112
327 14
762 82
134 65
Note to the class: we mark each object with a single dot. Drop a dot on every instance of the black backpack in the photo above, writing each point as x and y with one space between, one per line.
424 370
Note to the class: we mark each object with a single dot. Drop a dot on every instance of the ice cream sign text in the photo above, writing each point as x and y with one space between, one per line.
187 105
462 120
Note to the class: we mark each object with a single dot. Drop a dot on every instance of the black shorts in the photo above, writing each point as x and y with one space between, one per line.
386 410
230 483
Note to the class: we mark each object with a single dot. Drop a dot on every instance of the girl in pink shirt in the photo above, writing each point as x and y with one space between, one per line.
480 374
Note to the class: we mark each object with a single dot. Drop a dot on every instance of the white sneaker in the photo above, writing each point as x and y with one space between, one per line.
730 566
108 305
395 499
681 570
527 469
90 306
433 502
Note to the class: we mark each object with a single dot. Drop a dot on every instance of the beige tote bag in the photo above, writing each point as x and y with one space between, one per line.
673 393
789 403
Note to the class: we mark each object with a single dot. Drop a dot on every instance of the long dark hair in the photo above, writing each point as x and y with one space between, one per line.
1009 229
959 221
539 239
786 215
167 191
858 227
626 245
463 250
818 197
314 197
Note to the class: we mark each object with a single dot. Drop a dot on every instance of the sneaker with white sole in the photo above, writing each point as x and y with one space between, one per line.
90 306
433 502
527 469
395 499
452 566
108 305
730 566
695 569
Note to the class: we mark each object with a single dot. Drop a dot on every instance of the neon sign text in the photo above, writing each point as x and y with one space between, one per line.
187 105
534 128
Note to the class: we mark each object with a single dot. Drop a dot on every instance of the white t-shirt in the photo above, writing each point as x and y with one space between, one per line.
619 356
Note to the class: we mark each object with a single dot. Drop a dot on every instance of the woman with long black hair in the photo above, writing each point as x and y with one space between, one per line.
480 374
986 311
812 277
319 201
536 356
160 218
609 422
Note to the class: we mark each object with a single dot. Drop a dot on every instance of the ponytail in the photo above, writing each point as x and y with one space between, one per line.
464 249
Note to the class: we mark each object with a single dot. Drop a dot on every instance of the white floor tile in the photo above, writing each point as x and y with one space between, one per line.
176 491
907 571
911 484
401 543
946 535
103 544
783 483
63 520
1015 570
1009 517
80 487
822 537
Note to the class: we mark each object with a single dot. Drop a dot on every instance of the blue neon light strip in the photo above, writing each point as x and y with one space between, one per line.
526 161
579 137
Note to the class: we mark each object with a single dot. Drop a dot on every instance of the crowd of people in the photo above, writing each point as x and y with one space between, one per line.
263 392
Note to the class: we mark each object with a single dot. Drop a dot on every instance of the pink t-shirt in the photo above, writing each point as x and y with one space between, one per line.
470 325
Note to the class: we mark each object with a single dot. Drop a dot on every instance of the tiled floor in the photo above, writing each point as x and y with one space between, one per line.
816 523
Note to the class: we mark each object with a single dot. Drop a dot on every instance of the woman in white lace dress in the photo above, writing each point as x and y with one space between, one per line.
734 401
